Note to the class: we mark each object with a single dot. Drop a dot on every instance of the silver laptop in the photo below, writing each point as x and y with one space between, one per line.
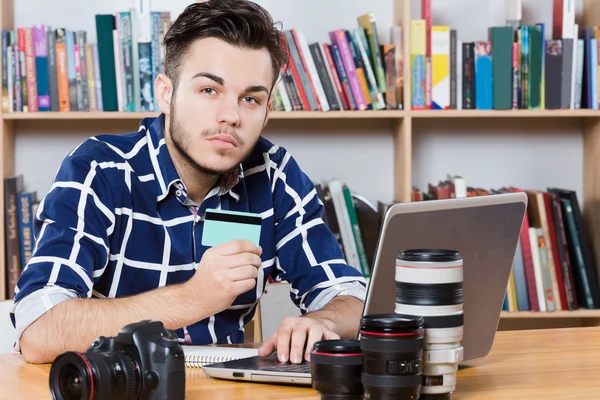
485 230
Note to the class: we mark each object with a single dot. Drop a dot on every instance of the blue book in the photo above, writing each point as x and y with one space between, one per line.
594 70
41 67
520 280
484 100
157 61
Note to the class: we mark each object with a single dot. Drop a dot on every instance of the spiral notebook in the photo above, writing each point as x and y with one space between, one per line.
199 356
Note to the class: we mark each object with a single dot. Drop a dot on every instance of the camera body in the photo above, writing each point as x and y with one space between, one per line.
144 361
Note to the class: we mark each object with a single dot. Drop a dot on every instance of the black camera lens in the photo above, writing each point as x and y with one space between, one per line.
392 351
90 376
335 369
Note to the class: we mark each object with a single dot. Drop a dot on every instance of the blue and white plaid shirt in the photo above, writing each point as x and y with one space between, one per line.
117 222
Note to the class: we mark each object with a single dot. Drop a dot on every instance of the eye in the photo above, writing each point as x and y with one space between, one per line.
209 91
251 100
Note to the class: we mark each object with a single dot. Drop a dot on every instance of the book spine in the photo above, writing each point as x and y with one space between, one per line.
12 187
5 44
378 102
335 78
313 75
324 77
360 247
52 69
82 88
24 202
391 98
145 71
62 73
502 50
483 75
453 91
91 82
440 63
427 18
71 69
339 37
337 58
468 61
14 51
32 101
515 75
418 65
23 68
125 30
156 52
97 78
399 66
105 25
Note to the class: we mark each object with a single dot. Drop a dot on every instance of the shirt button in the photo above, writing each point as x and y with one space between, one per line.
178 193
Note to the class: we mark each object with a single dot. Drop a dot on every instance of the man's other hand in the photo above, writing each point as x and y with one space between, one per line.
295 338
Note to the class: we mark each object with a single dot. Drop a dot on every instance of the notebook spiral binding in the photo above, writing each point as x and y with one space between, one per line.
200 361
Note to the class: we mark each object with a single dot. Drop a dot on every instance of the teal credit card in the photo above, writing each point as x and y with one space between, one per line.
222 226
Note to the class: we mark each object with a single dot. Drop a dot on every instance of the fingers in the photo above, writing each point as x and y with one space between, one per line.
236 247
268 346
237 260
242 273
315 333
297 346
284 334
240 287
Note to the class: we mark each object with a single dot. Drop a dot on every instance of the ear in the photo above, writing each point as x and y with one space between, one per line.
163 90
268 110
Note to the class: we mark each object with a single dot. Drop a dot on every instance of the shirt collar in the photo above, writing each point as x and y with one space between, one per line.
166 176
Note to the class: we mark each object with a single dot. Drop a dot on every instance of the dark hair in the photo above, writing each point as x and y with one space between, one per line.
241 23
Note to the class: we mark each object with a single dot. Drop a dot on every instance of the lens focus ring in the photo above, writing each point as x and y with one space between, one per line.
425 294
391 381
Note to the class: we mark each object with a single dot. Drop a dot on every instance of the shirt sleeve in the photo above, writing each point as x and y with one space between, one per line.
307 254
72 227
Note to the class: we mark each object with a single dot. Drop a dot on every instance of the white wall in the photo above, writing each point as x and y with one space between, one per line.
487 153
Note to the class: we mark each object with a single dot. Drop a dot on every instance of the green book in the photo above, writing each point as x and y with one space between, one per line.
105 25
502 41
360 247
535 68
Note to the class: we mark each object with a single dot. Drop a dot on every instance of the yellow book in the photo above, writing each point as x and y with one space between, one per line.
511 293
417 63
440 66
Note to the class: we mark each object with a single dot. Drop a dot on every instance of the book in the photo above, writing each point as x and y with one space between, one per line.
199 356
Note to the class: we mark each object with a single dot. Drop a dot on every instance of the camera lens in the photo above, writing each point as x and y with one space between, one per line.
429 283
335 369
90 376
392 348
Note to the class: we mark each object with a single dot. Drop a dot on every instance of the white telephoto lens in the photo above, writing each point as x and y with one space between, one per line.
429 283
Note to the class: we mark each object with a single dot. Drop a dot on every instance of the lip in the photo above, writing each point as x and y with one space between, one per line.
223 140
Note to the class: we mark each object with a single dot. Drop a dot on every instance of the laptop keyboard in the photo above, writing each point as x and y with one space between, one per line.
303 368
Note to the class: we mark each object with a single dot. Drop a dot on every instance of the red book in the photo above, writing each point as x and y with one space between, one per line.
557 261
534 305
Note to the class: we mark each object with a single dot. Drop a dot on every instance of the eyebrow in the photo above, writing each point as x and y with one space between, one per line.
221 81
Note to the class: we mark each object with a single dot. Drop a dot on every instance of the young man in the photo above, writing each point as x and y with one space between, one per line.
118 236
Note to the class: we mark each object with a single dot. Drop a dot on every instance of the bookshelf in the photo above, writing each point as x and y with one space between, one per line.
401 123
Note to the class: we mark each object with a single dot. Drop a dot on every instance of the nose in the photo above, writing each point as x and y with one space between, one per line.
229 114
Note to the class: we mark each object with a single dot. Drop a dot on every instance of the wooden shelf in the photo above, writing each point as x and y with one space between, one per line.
303 115
581 313
275 115
505 113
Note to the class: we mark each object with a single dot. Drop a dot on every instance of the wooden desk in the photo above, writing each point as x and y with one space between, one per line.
541 364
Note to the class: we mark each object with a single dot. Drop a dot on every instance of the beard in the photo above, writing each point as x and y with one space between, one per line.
178 138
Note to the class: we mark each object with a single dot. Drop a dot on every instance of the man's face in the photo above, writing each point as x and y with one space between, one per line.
220 105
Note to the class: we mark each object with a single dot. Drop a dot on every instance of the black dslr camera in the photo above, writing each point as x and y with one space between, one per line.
144 361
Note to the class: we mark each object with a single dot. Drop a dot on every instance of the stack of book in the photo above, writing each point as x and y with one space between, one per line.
530 67
356 71
57 69
554 267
